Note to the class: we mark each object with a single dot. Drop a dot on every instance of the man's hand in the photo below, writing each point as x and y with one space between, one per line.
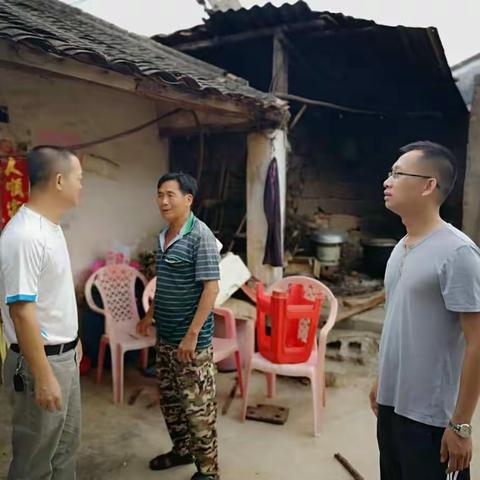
79 351
457 450
143 326
47 390
48 394
186 349
373 398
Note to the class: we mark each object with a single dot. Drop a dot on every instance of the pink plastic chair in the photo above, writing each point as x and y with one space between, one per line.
223 347
116 285
314 368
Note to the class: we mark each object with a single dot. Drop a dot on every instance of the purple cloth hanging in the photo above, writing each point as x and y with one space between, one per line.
271 205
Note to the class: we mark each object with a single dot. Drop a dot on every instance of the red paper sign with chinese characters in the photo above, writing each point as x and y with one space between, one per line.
13 181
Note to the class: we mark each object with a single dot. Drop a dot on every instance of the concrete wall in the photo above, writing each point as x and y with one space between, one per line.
119 200
262 147
471 207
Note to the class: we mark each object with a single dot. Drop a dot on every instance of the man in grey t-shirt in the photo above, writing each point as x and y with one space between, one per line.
429 366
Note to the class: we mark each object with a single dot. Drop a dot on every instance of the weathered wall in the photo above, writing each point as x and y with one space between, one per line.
471 203
262 147
221 200
118 204
338 166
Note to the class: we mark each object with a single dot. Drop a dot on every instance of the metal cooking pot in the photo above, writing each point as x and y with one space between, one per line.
329 246
376 252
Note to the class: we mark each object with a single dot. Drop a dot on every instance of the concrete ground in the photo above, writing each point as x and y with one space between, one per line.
119 441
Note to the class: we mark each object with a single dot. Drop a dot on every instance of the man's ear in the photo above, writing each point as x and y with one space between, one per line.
59 181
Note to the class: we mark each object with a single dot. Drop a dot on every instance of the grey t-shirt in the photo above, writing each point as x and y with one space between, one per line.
422 346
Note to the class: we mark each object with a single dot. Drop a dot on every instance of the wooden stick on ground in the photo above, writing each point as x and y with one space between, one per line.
230 398
348 467
133 397
360 306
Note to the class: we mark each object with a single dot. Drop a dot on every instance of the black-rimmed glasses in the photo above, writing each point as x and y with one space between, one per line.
395 175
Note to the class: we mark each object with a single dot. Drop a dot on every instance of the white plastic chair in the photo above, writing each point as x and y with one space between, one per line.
116 285
314 368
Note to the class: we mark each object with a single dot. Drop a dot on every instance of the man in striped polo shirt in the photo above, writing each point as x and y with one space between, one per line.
187 285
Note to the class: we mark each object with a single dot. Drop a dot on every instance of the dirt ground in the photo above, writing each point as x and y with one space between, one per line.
118 441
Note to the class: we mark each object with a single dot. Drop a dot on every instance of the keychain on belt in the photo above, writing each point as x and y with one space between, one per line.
18 380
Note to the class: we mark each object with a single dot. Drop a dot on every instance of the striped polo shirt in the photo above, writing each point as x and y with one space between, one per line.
191 259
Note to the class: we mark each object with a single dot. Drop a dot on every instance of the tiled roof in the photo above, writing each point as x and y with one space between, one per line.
60 29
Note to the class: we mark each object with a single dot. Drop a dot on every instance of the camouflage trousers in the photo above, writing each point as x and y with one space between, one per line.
187 400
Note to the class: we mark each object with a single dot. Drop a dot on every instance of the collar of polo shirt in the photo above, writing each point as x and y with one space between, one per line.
185 230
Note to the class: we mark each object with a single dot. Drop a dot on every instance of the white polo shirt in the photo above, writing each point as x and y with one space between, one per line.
35 267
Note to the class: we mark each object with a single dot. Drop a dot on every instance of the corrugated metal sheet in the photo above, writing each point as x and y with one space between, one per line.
57 28
464 74
244 20
333 58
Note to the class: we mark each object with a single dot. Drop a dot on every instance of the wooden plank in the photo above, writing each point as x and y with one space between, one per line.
198 101
250 35
280 62
346 311
358 301
23 58
268 414
187 131
298 116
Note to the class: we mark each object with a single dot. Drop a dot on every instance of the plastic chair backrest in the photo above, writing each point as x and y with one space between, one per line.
116 285
313 286
293 323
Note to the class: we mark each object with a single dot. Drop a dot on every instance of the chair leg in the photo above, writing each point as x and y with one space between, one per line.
271 385
144 358
120 375
238 363
324 394
318 399
248 374
101 360
117 372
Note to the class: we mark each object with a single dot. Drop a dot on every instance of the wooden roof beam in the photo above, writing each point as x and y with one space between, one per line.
250 35
20 57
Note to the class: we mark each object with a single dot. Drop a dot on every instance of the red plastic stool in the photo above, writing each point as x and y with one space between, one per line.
293 322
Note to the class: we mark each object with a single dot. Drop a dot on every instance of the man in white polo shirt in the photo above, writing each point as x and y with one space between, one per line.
39 311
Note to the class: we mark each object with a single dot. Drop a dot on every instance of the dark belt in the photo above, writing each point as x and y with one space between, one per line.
51 349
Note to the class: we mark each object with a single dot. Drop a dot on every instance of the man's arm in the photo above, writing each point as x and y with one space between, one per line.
459 450
47 390
373 397
143 326
187 347
470 379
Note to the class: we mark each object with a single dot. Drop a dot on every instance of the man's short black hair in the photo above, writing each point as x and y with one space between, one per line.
441 160
44 161
186 183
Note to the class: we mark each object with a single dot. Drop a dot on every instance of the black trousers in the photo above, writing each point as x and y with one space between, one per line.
410 450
